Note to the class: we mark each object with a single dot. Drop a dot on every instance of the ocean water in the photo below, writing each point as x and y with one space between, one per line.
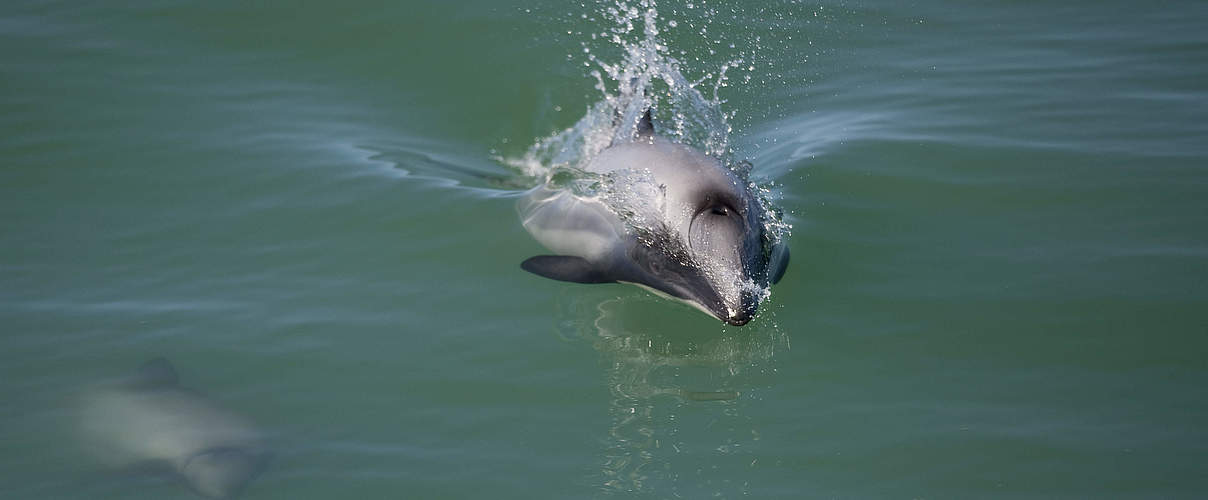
999 284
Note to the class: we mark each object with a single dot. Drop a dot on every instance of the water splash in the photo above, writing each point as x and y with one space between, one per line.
677 391
646 76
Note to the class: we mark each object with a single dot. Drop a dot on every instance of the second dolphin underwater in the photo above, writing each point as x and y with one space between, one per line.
148 419
703 240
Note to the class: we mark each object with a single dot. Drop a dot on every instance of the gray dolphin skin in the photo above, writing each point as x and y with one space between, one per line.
147 419
703 241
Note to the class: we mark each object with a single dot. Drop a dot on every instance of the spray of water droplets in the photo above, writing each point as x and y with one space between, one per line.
646 76
635 70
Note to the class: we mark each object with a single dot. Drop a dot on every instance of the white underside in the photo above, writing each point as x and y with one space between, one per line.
664 295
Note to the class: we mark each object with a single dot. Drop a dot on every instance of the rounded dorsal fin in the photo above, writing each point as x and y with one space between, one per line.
157 373
645 125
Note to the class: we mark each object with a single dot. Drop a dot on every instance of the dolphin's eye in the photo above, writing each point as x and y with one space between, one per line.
648 259
720 210
655 266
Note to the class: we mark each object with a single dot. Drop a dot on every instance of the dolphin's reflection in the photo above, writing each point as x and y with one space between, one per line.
677 393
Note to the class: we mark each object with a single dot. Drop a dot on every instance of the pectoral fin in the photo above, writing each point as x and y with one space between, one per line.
566 268
779 262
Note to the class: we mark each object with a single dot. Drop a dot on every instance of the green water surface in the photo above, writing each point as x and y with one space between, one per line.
998 285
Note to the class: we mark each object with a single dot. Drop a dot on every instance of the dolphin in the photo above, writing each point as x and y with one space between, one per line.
700 238
147 419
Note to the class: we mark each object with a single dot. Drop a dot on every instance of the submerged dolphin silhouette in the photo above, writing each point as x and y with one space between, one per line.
148 419
703 242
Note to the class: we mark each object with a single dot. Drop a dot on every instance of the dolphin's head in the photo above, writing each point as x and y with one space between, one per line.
720 260
714 282
223 472
725 236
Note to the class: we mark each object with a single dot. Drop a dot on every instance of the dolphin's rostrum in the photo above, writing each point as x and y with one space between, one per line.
696 233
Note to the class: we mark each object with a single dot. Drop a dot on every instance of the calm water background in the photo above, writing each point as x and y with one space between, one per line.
1000 249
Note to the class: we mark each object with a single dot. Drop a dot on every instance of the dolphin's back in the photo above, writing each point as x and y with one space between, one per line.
670 163
686 178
